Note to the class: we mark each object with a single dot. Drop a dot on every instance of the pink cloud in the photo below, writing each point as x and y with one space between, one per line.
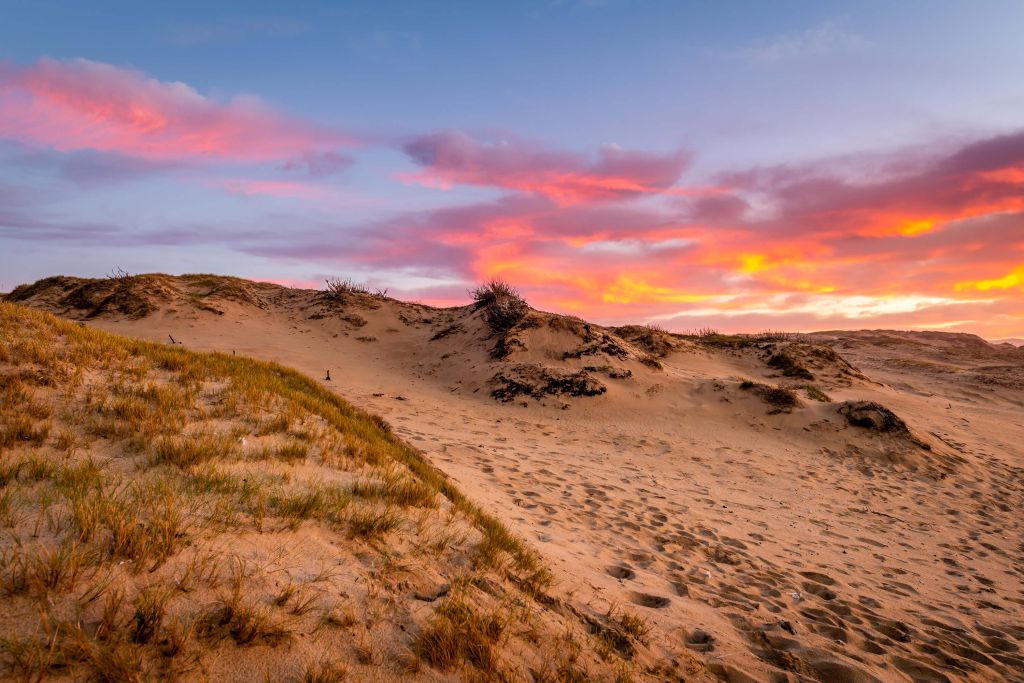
818 246
454 158
80 104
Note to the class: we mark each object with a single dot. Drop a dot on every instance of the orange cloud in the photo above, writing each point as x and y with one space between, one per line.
1013 280
629 290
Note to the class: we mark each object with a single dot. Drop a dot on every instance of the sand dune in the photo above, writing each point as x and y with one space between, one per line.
841 506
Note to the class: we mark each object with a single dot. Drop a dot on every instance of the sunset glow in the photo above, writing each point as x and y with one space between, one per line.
650 208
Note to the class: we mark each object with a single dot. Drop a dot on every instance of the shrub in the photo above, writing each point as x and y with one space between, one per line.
339 288
502 304
779 397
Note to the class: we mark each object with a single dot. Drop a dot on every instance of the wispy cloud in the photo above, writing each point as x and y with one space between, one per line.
829 37
452 158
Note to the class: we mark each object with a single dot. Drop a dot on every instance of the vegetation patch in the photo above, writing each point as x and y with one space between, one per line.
604 344
461 633
538 382
873 416
816 394
610 371
156 500
652 339
789 366
502 305
780 399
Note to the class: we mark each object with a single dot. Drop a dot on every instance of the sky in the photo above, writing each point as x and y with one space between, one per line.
737 166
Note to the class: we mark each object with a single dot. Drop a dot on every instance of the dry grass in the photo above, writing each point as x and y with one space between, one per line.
780 398
367 523
460 633
816 394
131 480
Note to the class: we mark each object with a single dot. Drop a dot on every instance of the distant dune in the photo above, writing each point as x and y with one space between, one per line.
837 506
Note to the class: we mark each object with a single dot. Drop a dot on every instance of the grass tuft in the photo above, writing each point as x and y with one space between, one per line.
816 394
368 523
459 633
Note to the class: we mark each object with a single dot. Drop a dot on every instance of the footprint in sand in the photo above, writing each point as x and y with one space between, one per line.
620 572
699 640
649 600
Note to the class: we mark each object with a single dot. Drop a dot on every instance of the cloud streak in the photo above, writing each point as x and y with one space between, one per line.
80 104
454 158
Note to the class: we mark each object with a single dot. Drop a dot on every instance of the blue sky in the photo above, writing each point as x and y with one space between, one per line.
845 91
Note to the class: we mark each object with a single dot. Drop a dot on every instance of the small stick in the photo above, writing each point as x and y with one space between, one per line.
172 339
328 377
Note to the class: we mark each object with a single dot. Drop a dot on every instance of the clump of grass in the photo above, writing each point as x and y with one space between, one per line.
187 452
498 542
324 672
150 609
367 523
651 362
67 442
790 365
133 524
634 626
316 501
502 304
243 620
10 508
293 451
816 394
47 570
113 661
31 659
110 618
773 336
401 491
780 398
174 637
459 633
277 424
22 428
29 469
339 288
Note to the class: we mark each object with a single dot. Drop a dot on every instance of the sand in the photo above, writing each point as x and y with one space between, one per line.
771 542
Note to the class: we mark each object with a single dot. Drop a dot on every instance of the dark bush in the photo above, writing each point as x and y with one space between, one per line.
502 304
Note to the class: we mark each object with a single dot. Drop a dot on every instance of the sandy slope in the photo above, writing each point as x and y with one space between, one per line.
776 545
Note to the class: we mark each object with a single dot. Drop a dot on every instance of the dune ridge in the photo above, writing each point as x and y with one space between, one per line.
833 506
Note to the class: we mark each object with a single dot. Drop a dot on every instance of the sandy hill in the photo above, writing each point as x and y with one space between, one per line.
170 514
1012 341
838 506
